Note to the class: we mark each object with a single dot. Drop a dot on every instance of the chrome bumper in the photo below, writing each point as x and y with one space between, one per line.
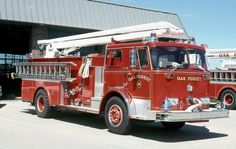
177 116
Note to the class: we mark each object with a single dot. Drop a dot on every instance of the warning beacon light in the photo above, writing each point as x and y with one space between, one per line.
153 37
192 40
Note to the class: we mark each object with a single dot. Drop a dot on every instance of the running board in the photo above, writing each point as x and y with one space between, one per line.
95 106
80 109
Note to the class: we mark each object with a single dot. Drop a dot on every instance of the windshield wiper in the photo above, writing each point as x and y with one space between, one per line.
170 74
177 66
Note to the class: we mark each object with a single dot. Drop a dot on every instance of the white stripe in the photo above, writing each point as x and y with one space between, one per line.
222 82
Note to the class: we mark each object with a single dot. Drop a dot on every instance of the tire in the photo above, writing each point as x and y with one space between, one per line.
42 106
116 116
228 97
173 125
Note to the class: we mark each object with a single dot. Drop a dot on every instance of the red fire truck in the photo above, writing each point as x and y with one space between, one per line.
223 76
144 73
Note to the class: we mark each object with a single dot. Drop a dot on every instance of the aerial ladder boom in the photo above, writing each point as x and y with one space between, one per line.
66 45
117 31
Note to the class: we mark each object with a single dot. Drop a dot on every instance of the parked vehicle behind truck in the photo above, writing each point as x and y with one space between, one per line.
222 65
144 73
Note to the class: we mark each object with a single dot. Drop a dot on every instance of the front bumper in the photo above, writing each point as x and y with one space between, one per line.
177 116
141 109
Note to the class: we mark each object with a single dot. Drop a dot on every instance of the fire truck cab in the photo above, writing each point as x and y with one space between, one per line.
153 79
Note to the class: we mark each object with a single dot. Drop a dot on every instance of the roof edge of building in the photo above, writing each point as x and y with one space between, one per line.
133 7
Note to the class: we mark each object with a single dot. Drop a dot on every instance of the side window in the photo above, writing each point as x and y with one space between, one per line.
197 57
138 58
114 58
143 57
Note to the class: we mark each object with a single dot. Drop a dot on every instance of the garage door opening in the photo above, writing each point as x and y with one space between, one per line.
14 45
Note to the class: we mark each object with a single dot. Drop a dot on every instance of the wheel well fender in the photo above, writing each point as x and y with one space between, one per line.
126 98
41 88
223 89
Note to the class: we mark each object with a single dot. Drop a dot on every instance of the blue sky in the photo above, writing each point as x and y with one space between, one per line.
212 22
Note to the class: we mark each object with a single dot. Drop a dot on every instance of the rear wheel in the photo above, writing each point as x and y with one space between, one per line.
173 125
116 116
42 106
228 97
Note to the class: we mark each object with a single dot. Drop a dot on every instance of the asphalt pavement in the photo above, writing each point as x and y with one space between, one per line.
20 128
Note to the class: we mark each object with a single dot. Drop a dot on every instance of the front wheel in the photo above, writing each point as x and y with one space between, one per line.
173 125
42 106
228 97
116 116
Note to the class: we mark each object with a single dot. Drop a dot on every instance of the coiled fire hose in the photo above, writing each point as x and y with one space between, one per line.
84 68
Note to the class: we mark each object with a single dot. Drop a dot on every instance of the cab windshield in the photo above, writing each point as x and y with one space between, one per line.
168 57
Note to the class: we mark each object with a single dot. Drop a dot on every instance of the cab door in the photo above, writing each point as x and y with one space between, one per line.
137 74
114 68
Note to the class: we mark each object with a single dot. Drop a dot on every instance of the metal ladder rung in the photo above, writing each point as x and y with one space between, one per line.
221 75
45 70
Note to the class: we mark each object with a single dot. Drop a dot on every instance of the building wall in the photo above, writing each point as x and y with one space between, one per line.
37 33
49 18
85 14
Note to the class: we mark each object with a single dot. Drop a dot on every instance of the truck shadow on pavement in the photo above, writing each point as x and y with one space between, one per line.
2 105
154 131
150 131
86 119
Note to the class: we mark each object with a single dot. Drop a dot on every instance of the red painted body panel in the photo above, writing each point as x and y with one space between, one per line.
216 89
177 87
53 89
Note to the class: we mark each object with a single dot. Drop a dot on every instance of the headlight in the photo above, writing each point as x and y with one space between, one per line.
205 100
170 102
173 101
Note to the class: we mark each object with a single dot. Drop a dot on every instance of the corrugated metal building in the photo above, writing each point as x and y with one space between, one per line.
23 22
86 14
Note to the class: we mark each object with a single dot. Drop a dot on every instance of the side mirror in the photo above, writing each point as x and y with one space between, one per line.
132 58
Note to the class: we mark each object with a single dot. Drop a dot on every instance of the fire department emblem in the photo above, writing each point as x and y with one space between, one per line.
139 84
